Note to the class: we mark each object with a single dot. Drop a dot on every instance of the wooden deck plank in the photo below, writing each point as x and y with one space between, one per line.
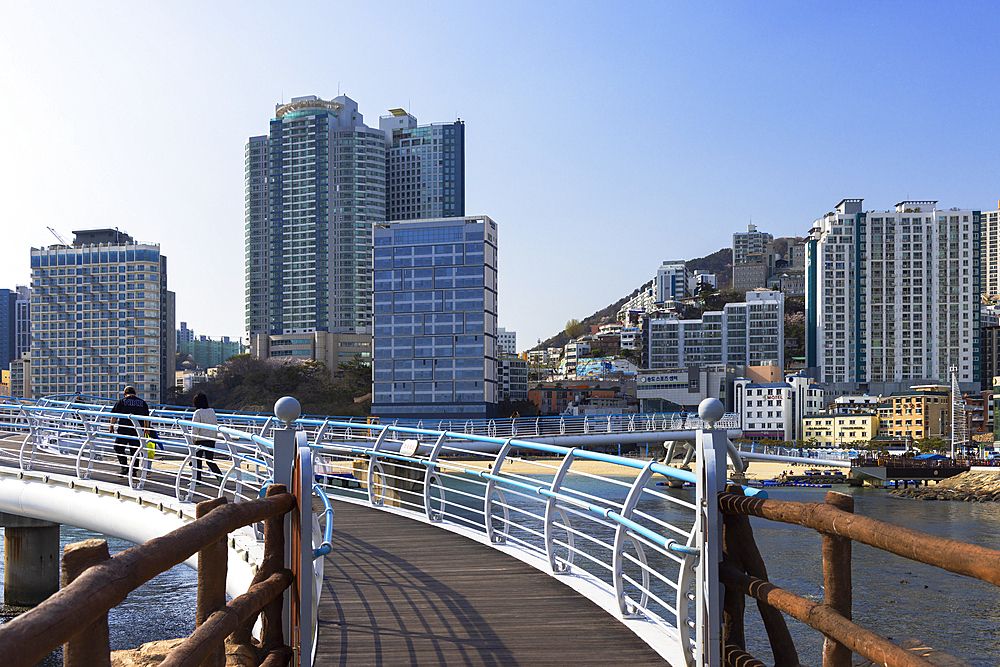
400 592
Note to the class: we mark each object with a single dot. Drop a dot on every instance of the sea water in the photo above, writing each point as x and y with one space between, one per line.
162 608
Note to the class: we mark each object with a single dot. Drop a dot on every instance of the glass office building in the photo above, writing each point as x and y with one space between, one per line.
435 301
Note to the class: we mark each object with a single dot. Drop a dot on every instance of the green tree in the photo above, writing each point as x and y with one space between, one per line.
927 445
574 329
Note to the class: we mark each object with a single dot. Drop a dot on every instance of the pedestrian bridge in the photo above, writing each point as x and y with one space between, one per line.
617 533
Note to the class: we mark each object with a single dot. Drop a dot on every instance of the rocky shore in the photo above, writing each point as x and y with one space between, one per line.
972 487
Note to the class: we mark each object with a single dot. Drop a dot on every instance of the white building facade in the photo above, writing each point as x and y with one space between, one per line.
507 341
671 281
893 296
748 333
750 242
774 410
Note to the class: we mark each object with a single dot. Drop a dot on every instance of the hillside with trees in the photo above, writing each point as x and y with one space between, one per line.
720 263
606 315
249 383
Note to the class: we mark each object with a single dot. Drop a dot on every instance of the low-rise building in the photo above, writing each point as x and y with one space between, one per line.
843 405
669 389
775 410
20 376
922 412
188 380
513 375
631 338
840 430
555 398
573 351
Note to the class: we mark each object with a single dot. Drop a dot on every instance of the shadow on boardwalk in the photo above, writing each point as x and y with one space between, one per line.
400 592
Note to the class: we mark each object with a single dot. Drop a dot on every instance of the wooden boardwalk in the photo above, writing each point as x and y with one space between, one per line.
401 592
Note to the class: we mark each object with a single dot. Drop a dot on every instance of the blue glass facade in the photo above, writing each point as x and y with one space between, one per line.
434 346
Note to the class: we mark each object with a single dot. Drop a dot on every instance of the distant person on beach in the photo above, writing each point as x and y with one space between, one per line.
204 438
128 440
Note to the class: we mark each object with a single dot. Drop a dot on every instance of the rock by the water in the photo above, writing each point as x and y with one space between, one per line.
969 486
153 653
146 655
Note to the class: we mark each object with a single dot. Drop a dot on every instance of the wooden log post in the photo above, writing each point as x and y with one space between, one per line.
92 646
734 602
28 638
211 635
780 639
213 568
837 581
273 562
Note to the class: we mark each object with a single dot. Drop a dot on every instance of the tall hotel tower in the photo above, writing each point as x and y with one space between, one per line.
315 186
425 167
101 317
892 297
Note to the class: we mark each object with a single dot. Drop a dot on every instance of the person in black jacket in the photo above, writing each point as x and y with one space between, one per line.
127 440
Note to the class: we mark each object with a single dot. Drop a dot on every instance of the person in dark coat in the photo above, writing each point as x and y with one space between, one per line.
127 440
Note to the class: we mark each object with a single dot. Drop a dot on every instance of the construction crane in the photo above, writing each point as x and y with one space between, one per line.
58 236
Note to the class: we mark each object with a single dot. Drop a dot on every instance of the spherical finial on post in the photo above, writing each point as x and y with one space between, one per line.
711 410
287 409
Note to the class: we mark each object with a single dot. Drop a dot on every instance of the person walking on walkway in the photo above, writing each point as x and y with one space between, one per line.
204 438
128 440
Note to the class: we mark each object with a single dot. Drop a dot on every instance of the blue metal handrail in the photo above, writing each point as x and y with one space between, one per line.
327 544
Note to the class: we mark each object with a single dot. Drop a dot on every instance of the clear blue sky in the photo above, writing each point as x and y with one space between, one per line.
603 138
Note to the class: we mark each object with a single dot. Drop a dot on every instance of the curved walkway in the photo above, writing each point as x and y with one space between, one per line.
401 592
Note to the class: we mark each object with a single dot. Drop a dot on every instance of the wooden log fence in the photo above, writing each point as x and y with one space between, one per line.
743 574
93 583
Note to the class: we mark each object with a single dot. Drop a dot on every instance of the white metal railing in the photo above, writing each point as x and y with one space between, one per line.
613 527
525 427
76 441
612 524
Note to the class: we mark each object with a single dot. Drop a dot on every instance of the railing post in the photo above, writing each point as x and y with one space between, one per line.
92 646
305 580
711 463
287 410
213 568
837 581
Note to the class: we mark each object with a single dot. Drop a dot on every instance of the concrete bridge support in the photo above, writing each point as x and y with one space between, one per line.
31 560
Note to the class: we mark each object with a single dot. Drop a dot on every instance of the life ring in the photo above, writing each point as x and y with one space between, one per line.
936 472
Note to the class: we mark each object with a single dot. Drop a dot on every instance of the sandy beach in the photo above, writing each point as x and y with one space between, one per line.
548 465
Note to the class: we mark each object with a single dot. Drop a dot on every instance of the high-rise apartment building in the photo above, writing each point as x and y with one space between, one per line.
425 167
315 185
750 242
101 317
893 296
989 246
8 331
671 281
507 341
749 333
435 347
